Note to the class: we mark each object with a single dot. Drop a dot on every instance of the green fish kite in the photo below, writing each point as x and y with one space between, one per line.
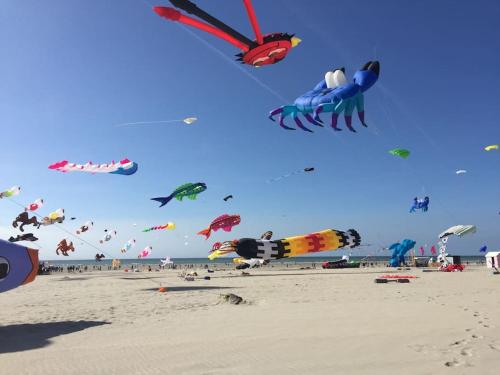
400 152
190 190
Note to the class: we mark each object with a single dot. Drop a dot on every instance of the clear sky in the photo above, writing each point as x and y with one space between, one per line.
71 70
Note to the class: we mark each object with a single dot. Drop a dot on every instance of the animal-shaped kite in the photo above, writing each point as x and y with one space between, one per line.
190 190
18 265
166 262
13 191
264 50
399 251
24 219
108 236
64 247
420 204
128 245
35 205
145 252
23 237
167 226
124 167
56 216
334 95
85 227
401 152
225 222
99 257
326 240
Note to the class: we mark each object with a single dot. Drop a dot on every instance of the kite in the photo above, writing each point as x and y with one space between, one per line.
433 250
85 227
128 245
422 251
64 247
145 252
73 218
169 225
54 217
491 147
326 240
35 205
190 120
187 120
108 236
332 94
226 198
166 262
18 265
401 152
266 235
305 170
99 257
420 204
24 219
457 230
190 190
225 222
483 249
23 237
461 171
264 50
399 251
13 191
124 167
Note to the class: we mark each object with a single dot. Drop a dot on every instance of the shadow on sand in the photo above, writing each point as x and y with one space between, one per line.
21 337
189 288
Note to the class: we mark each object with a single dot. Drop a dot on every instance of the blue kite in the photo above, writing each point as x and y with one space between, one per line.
420 204
399 251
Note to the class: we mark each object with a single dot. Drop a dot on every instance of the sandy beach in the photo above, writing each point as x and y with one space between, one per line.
293 321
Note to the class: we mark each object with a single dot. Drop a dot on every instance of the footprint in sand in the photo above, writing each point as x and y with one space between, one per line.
466 352
453 363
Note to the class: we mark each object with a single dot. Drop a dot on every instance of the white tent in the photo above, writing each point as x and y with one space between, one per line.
493 259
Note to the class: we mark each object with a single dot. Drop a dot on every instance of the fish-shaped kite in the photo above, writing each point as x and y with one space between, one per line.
145 252
56 216
169 225
124 167
35 205
190 190
85 227
128 245
18 265
401 152
225 222
108 236
14 190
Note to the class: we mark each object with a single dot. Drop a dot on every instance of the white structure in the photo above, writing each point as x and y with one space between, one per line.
493 259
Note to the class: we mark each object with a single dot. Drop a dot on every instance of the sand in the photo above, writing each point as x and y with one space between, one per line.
293 322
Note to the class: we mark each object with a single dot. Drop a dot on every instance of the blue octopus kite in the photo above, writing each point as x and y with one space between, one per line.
333 94
420 204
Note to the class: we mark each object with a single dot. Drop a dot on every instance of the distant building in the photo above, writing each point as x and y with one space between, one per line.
493 259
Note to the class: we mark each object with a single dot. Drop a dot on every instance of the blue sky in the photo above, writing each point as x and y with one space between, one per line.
71 70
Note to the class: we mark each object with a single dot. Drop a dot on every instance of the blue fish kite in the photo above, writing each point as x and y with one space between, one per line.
18 265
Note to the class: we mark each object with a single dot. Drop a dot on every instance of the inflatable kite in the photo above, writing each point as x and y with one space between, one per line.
54 217
190 120
146 252
108 236
401 152
491 147
24 219
334 95
23 237
99 257
264 50
461 171
167 226
85 227
35 205
457 230
227 197
18 265
64 247
128 245
305 170
124 167
483 249
166 262
13 191
420 204
326 240
190 190
399 251
225 222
